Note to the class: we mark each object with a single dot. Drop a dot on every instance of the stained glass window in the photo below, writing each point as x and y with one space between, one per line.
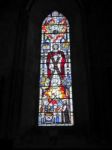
55 99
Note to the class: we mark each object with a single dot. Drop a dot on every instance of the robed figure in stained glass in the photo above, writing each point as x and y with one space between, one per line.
55 104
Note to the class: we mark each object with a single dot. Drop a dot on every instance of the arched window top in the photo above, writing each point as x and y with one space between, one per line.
55 18
55 101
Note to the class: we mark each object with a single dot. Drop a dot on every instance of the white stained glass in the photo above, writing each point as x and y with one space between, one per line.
55 101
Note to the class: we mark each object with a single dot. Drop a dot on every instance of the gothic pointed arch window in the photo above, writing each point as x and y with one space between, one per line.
55 95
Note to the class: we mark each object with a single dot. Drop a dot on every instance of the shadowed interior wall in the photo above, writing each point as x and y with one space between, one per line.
19 63
32 66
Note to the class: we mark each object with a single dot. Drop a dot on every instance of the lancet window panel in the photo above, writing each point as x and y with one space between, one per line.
55 96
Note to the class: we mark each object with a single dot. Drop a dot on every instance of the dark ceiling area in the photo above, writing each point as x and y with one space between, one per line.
16 4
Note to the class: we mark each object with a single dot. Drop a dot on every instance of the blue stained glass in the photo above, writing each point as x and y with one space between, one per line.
55 100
